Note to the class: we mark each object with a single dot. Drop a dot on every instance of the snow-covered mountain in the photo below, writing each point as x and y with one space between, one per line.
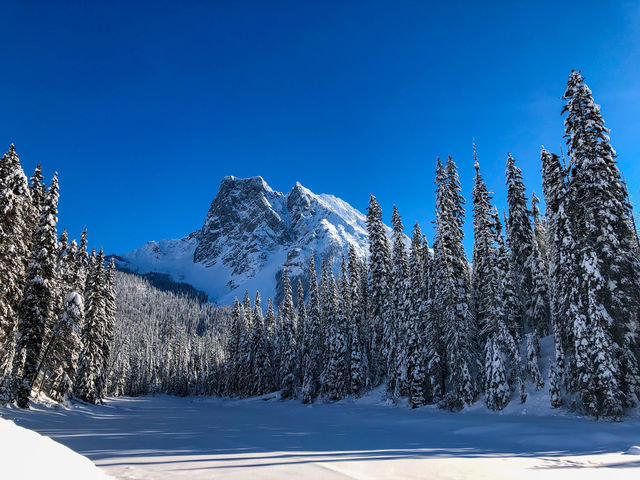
248 234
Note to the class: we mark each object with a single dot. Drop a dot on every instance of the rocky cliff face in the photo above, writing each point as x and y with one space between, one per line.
249 233
243 225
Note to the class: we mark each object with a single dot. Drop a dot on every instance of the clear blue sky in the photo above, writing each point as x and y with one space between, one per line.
143 107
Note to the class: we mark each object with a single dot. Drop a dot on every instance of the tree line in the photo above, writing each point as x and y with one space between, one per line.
57 303
438 330
421 320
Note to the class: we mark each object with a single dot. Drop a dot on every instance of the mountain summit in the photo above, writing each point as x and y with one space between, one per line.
249 233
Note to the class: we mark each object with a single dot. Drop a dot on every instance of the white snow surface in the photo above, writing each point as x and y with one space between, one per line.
246 253
166 437
25 454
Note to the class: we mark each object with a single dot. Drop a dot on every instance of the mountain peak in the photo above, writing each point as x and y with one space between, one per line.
250 182
249 233
300 189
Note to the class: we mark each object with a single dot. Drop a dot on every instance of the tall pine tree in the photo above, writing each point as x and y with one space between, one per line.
335 374
396 329
289 360
416 324
379 292
455 291
520 241
87 384
357 356
37 305
483 253
605 297
311 342
15 242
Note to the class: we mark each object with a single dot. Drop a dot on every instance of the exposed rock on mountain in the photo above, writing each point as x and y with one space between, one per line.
249 232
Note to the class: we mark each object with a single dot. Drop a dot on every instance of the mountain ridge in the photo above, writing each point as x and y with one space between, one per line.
249 232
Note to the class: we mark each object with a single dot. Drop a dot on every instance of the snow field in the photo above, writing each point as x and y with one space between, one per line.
166 437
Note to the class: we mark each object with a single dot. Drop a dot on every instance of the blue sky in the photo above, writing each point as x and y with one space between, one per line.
144 109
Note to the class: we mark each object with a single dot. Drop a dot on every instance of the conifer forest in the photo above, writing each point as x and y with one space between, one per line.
423 319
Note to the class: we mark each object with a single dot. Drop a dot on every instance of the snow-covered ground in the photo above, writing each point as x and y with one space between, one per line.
168 437
25 454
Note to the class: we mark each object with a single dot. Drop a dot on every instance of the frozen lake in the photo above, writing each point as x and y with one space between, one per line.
168 437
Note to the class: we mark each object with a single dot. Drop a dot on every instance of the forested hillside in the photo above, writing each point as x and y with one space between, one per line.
165 342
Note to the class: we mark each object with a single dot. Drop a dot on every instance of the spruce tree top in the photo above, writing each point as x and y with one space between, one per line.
584 126
13 186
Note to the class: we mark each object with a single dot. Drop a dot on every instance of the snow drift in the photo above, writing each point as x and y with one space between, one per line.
25 454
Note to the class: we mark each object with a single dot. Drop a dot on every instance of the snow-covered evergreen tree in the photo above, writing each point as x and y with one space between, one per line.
396 328
15 241
233 349
87 384
257 347
66 346
606 293
501 360
301 316
245 368
263 378
560 253
434 342
357 356
366 326
82 263
278 343
38 191
289 356
520 240
503 295
37 305
336 374
311 342
246 304
438 294
269 341
379 291
455 285
511 303
327 310
107 326
62 347
416 324
38 194
496 389
483 252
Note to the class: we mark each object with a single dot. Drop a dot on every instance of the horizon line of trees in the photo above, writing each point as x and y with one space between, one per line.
438 330
57 304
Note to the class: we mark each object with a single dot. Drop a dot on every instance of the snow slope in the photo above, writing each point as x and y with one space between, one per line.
249 232
167 437
25 454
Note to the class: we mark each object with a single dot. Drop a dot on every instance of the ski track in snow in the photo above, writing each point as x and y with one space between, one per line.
199 437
